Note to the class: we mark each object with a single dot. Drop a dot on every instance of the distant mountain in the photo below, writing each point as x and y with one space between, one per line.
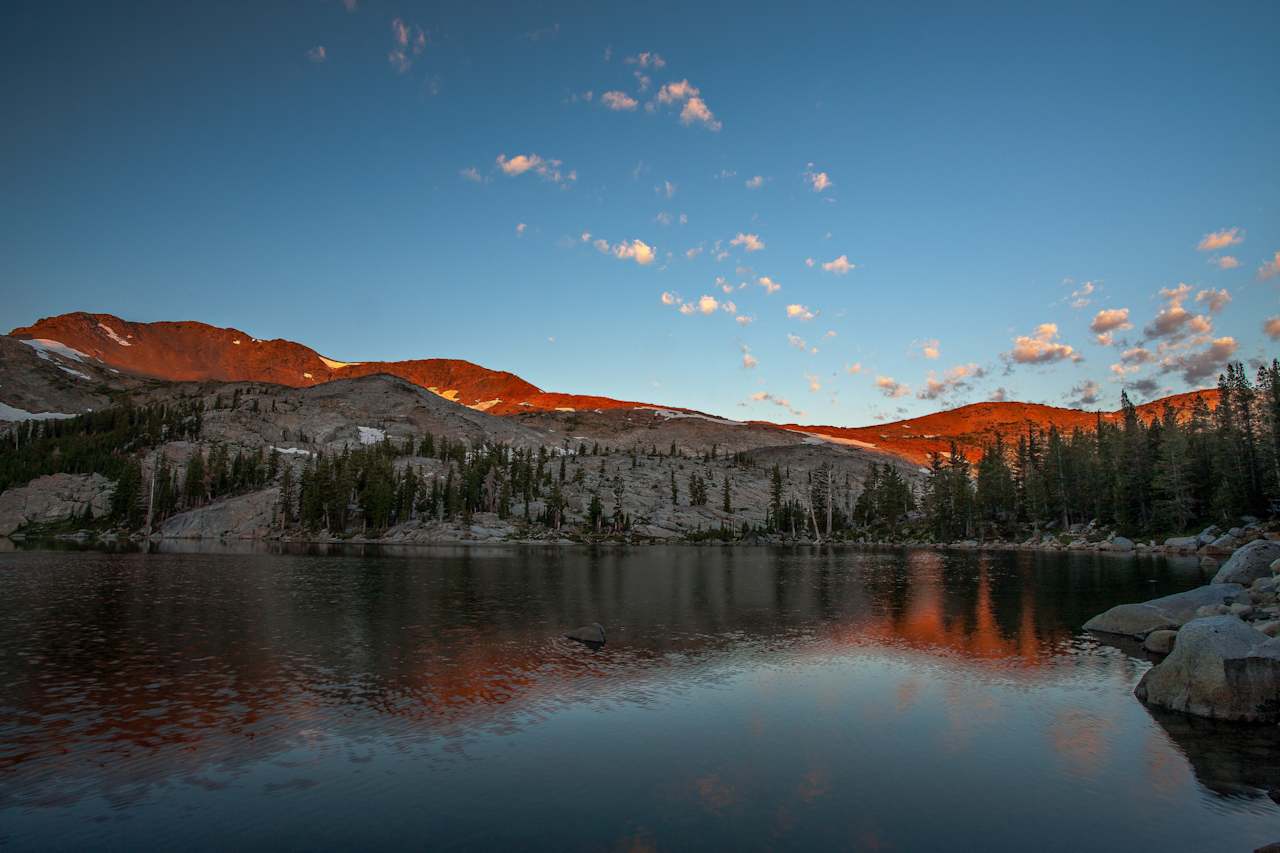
192 351
187 351
973 426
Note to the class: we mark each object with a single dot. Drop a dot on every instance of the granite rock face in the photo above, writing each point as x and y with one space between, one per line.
54 498
245 517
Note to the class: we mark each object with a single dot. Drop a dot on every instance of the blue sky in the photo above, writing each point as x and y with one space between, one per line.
1032 201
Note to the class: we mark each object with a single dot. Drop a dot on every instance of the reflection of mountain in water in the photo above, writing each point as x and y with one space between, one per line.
123 670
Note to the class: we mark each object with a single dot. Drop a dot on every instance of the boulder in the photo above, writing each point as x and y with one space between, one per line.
1117 543
1182 543
1171 611
1249 563
54 498
1223 546
1220 668
1271 629
1209 534
592 635
1275 567
1160 642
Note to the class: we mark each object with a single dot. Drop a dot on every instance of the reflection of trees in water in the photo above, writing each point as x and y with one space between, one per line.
120 669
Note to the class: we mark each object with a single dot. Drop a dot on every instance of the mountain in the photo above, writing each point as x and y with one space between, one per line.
191 351
971 427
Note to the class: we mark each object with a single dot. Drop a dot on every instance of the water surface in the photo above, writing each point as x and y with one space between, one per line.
746 699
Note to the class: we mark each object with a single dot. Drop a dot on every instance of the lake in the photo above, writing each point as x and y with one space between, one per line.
747 698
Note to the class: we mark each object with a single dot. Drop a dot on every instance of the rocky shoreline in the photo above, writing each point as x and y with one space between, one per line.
1219 643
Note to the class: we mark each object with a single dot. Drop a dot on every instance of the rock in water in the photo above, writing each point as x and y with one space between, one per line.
592 635
1220 668
1249 563
1160 642
1171 611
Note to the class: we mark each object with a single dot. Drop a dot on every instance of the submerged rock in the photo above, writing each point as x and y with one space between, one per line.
1249 563
592 635
1172 611
1220 668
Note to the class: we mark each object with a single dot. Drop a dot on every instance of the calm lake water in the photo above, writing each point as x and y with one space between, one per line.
746 699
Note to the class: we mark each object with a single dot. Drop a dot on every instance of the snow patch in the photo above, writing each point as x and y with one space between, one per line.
307 376
291 451
337 365
75 373
371 435
818 438
13 413
236 342
44 346
451 395
111 333
486 405
565 409
670 414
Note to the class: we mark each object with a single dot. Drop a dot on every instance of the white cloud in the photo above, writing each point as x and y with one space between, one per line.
956 379
1107 321
797 341
1270 269
1226 262
1272 327
646 60
695 109
1175 321
853 369
754 183
669 298
1214 300
1041 347
1220 240
770 286
840 266
820 181
520 228
317 54
891 388
750 242
616 100
814 385
548 170
748 360
1202 365
637 250
931 348
800 312
708 304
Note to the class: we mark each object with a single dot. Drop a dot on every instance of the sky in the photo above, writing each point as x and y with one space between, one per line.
817 212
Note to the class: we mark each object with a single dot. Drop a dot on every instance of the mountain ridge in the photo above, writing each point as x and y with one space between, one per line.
190 350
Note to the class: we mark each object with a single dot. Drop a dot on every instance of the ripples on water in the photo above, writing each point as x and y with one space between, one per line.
747 698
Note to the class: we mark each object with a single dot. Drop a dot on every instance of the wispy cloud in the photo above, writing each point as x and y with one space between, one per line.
616 100
766 397
814 384
750 242
748 360
1086 393
755 182
1225 262
1272 327
800 312
956 379
770 286
1216 240
1214 300
694 109
1080 297
853 369
471 173
646 60
548 170
317 54
931 348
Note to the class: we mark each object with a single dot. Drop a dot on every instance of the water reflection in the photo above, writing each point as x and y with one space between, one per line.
755 697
